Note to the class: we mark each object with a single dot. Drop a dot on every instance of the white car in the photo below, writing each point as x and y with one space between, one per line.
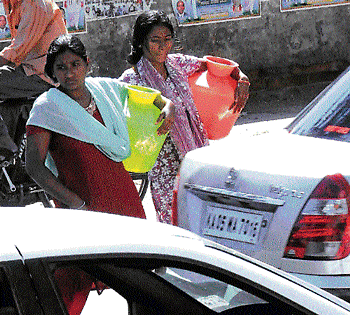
137 266
281 196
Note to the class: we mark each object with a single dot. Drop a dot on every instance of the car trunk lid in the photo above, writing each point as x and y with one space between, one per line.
250 202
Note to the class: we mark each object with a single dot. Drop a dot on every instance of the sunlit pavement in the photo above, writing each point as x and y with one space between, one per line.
260 126
108 303
148 206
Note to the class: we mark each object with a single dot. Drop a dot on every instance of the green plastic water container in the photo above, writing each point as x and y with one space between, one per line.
141 116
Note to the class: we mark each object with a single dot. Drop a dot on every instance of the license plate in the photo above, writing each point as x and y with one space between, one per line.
232 224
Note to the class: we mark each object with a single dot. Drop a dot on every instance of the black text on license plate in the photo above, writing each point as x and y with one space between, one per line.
232 224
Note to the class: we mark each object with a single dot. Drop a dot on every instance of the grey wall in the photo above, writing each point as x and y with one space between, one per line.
277 49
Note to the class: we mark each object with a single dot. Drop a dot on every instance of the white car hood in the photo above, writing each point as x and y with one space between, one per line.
277 152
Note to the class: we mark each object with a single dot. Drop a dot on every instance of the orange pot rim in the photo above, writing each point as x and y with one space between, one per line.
220 61
220 67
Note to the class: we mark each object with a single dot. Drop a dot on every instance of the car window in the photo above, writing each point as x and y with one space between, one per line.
7 301
328 116
154 288
83 293
212 293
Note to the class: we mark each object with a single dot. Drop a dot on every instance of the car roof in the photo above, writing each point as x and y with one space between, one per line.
44 232
38 232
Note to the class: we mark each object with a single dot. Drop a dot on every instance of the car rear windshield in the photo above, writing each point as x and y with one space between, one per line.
328 115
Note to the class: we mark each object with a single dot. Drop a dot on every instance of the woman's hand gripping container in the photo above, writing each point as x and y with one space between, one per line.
141 115
214 96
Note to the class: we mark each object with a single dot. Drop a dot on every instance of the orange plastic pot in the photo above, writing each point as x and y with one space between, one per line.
214 94
141 115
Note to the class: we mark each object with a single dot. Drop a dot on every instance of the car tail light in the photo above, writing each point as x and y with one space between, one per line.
174 201
322 230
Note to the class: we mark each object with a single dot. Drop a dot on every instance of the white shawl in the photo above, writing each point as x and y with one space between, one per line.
56 111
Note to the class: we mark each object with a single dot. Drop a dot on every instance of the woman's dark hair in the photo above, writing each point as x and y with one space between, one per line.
143 26
59 46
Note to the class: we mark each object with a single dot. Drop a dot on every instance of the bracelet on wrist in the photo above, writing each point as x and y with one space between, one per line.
244 82
81 206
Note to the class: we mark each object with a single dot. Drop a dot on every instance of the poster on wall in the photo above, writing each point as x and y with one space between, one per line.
78 12
205 11
5 33
104 9
72 10
287 5
74 15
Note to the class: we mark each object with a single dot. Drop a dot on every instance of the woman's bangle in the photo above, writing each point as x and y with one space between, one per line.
81 206
244 82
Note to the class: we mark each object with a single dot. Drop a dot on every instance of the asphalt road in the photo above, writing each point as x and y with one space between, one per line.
271 105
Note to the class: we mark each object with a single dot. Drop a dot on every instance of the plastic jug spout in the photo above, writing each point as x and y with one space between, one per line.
142 95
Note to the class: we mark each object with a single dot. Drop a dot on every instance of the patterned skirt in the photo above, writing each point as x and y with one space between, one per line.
162 179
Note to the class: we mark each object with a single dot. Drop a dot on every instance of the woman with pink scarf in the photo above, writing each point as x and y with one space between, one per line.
154 66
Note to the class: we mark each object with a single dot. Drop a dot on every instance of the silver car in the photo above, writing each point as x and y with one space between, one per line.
281 196
54 258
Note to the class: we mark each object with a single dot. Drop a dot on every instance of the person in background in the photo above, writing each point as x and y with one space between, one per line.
154 66
181 14
33 25
72 8
82 127
4 29
77 138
